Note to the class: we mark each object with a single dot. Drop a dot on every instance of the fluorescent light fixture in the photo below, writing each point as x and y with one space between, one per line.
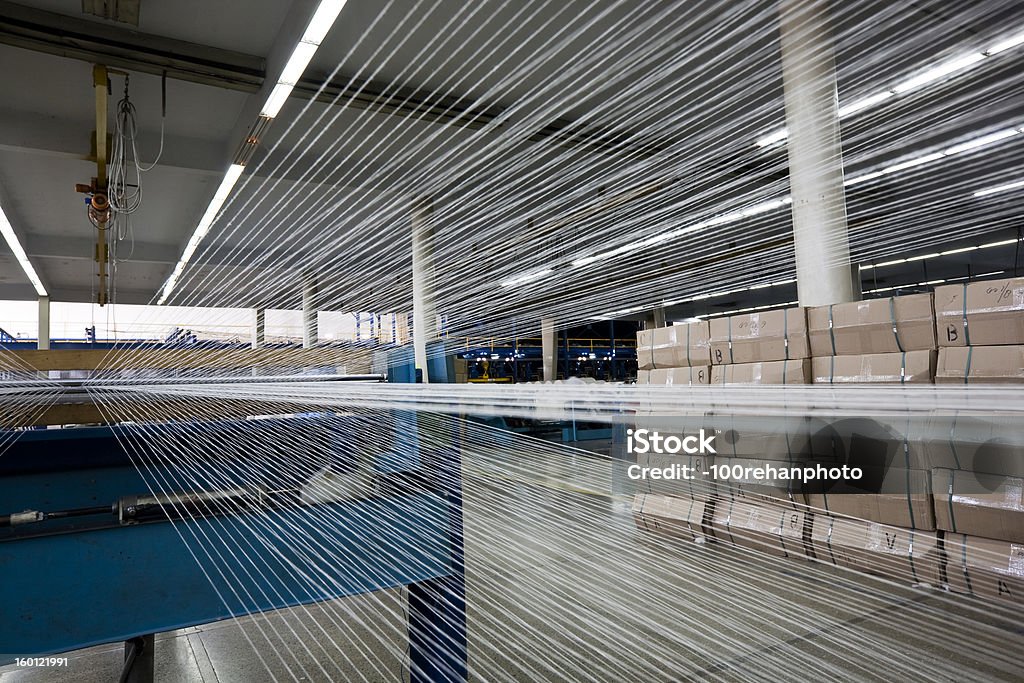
721 219
976 143
937 72
19 253
865 103
278 96
205 223
297 63
1004 45
948 252
864 178
323 19
912 163
772 138
931 283
923 78
999 188
998 244
981 142
527 278
962 250
747 310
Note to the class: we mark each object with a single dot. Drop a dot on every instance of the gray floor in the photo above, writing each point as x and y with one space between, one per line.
563 587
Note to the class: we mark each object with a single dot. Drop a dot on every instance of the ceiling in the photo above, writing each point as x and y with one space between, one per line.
445 99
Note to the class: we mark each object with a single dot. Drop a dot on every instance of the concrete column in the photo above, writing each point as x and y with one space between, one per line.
549 348
44 323
659 317
815 154
424 312
309 304
259 327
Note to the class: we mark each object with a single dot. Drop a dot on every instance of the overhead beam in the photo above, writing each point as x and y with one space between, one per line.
100 43
31 133
113 46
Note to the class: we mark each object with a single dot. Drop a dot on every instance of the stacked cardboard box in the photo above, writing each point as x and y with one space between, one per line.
762 526
980 328
672 376
759 348
939 509
983 567
768 372
757 337
876 341
907 367
676 346
979 504
893 496
989 444
980 365
901 554
677 517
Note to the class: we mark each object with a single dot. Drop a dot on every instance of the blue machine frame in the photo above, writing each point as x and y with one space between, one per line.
71 585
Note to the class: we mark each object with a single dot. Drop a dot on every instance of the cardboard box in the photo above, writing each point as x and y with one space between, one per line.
898 497
768 528
911 367
767 372
980 313
985 567
980 365
669 516
698 374
867 442
643 376
756 337
898 554
778 438
977 504
992 444
756 479
895 324
674 346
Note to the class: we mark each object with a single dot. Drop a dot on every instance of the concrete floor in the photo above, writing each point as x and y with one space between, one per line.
563 587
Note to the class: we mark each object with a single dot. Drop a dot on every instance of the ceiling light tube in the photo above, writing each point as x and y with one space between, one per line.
319 25
205 223
981 141
864 103
1004 45
924 78
19 253
937 72
999 188
323 19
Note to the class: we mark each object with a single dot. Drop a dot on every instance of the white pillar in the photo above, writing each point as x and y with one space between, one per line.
259 327
424 312
44 323
309 303
548 348
659 317
815 154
